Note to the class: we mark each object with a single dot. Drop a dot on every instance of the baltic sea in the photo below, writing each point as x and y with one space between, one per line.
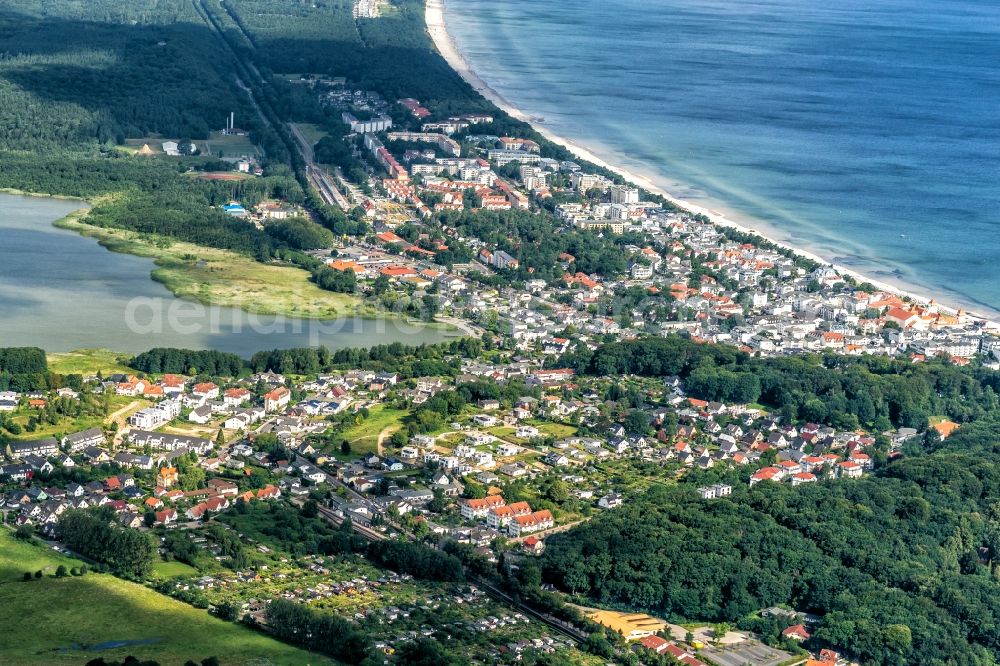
866 132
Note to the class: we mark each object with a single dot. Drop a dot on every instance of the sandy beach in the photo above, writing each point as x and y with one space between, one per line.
436 27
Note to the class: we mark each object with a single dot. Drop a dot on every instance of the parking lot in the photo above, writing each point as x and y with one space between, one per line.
744 653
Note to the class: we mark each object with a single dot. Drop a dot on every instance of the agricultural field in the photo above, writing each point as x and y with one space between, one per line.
219 175
74 619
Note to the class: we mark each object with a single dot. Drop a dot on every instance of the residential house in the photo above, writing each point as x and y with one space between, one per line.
205 391
39 447
473 509
78 441
277 399
533 522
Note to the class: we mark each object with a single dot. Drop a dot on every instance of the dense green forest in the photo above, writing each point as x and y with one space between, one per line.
405 360
417 560
78 79
23 369
23 360
79 74
321 632
391 54
892 564
901 566
845 391
186 361
26 369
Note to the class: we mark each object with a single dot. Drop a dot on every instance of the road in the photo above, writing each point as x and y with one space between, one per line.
117 416
120 417
317 176
386 433
244 70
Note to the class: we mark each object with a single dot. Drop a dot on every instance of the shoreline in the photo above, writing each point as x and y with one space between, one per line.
74 221
437 29
23 193
113 240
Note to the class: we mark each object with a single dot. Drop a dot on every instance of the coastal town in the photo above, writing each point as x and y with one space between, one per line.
530 448
499 476
681 273
634 435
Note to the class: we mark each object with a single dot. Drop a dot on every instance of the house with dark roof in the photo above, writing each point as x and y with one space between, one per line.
78 441
16 472
39 447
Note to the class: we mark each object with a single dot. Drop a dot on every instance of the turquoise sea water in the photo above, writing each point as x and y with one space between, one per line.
868 132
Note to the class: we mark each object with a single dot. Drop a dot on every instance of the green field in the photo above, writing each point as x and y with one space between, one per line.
89 362
219 145
221 277
67 424
557 430
173 569
69 620
312 133
364 437
63 427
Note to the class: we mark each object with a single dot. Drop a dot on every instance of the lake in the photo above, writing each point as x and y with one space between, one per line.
61 291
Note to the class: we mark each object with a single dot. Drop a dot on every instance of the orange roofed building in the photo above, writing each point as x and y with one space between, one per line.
344 266
479 508
276 399
167 477
945 428
398 271
533 522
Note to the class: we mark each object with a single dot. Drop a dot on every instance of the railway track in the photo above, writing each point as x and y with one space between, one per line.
490 589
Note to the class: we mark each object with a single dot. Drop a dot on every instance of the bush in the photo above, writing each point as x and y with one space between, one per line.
61 571
228 610
27 576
